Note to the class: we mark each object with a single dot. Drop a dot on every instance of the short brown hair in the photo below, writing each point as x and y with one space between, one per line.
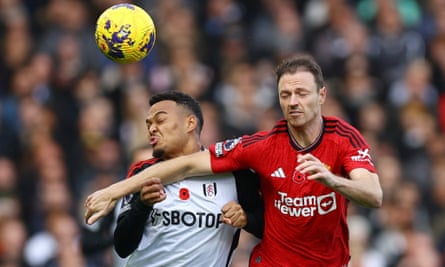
300 62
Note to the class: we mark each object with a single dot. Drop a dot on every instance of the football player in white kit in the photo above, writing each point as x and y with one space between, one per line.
187 225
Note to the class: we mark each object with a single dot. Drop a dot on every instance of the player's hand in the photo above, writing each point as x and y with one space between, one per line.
233 214
315 169
98 205
152 192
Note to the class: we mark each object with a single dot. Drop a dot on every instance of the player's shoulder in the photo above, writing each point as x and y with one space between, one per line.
340 129
262 137
141 165
333 122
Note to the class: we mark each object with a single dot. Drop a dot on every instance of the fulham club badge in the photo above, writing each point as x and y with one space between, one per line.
209 190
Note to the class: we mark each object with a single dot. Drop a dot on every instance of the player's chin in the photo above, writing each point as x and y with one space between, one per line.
158 152
295 121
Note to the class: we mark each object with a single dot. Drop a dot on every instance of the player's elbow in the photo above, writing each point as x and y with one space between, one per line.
377 199
370 199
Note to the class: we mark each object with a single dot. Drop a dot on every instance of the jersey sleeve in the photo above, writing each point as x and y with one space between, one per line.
358 156
132 217
249 197
130 227
227 156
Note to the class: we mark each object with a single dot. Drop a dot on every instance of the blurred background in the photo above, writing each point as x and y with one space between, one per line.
71 121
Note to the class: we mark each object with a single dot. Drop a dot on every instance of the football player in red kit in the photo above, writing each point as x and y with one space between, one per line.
310 167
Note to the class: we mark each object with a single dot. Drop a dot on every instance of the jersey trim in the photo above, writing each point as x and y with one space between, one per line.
345 130
140 165
281 127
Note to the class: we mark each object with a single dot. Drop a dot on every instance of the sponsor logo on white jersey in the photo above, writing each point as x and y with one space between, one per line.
278 173
307 206
199 219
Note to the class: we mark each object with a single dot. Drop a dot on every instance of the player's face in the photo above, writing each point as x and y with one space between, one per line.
300 100
167 129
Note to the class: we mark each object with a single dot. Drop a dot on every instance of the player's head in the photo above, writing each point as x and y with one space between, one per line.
301 89
174 124
300 62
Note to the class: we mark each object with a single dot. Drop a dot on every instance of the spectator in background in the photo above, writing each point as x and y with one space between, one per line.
410 11
242 99
436 207
393 45
391 172
356 87
132 127
97 240
211 130
403 221
360 241
437 60
13 237
342 35
373 120
224 33
277 30
418 128
58 244
66 36
414 86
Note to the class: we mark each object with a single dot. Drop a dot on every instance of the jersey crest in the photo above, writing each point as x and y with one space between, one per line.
209 190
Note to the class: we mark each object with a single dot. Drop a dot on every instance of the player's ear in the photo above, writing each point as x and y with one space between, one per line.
192 123
323 92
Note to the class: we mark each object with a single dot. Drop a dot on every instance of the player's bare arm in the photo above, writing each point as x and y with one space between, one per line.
101 202
363 187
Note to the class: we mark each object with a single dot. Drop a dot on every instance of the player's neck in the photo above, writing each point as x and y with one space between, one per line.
306 135
186 149
192 148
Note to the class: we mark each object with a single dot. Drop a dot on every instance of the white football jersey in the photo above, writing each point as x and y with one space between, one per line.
186 228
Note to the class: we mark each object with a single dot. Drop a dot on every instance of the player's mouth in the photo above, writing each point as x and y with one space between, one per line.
154 140
295 113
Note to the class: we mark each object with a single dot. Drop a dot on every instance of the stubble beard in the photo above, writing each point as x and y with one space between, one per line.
158 153
296 122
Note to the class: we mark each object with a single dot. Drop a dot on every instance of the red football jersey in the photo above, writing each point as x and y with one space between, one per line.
305 221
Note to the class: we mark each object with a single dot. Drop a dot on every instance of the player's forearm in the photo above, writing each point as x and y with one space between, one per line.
169 171
137 181
365 192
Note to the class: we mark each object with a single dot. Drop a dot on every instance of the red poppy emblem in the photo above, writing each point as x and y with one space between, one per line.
298 177
184 194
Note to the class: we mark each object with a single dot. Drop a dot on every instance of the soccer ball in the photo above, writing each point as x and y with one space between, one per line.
125 33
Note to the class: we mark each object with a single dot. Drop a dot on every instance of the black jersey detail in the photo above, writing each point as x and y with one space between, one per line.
281 127
354 132
234 245
345 130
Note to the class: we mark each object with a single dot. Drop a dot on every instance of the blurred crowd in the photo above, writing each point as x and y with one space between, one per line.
71 121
